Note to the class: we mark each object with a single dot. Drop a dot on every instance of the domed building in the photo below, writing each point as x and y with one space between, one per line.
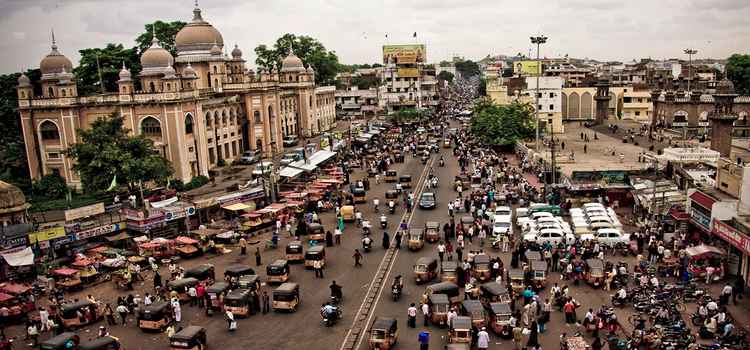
12 205
200 107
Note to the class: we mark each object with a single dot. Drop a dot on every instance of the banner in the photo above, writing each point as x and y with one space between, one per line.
527 67
408 72
404 54
21 258
82 212
98 231
46 235
732 236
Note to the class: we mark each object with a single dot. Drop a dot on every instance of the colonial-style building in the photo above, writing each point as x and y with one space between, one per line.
199 107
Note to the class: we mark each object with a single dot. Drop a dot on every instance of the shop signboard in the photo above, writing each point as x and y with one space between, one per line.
83 212
700 219
527 67
732 236
241 196
17 235
408 73
404 54
46 234
61 241
98 231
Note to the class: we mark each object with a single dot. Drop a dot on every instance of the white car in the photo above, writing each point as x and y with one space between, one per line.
551 235
503 214
608 236
262 169
500 227
564 227
522 216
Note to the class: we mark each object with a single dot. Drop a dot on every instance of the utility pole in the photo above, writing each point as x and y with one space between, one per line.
690 53
99 70
538 40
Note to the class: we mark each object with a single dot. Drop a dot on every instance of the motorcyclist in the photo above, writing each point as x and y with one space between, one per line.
328 312
336 290
621 295
442 161
366 243
398 284
376 203
366 226
391 206
383 221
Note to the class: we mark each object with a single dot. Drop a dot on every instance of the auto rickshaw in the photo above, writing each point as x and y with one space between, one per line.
67 279
457 346
532 255
391 195
62 341
416 239
425 269
69 314
286 297
101 343
383 333
491 292
316 232
190 338
594 272
432 231
500 314
467 220
405 181
439 307
239 302
461 330
516 278
181 286
539 271
295 251
277 271
446 143
187 247
251 282
391 176
315 253
449 272
215 296
482 267
347 213
203 273
155 316
359 194
233 273
473 309
447 288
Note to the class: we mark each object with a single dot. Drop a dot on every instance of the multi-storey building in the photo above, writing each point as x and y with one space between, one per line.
199 107
407 82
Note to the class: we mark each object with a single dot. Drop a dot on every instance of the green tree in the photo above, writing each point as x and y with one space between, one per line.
13 163
364 82
106 150
51 186
502 125
738 71
165 32
308 49
467 68
406 115
111 59
446 75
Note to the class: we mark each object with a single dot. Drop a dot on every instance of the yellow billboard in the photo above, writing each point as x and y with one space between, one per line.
408 72
404 54
527 67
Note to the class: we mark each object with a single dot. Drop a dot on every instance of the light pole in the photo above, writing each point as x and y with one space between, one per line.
538 40
690 53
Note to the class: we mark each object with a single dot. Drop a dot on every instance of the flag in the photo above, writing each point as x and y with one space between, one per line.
415 34
112 185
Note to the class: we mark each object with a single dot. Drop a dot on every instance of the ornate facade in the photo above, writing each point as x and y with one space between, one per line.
199 107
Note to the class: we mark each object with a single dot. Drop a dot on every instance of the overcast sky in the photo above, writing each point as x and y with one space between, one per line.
356 29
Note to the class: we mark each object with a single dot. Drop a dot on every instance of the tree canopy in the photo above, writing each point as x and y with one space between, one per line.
13 163
467 68
738 71
308 49
106 150
406 115
165 32
502 125
446 75
111 59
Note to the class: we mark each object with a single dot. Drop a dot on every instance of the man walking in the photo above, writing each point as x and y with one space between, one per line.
426 314
483 339
424 340
411 313
357 257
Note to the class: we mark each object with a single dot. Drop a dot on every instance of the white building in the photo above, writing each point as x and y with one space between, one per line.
550 99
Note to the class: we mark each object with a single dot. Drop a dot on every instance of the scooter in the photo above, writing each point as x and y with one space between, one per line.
383 222
391 208
442 162
366 245
330 319
395 292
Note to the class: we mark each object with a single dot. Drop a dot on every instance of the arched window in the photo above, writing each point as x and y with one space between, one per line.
216 82
49 131
152 87
270 111
150 126
169 86
310 101
208 120
224 120
189 123
256 117
215 70
680 117
63 92
50 92
23 94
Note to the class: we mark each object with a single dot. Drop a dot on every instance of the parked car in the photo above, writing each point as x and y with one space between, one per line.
427 200
608 236
552 235
290 141
250 157
290 158
500 227
503 213
262 169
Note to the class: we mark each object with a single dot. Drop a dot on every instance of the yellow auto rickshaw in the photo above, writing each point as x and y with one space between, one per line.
286 297
316 232
391 176
189 338
432 231
313 254
180 287
277 271
594 272
359 194
416 239
439 307
539 271
295 251
482 267
239 302
425 269
461 330
347 213
154 317
516 278
405 181
383 333
474 309
69 314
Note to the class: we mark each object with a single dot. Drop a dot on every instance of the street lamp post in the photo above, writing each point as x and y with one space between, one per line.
538 40
690 53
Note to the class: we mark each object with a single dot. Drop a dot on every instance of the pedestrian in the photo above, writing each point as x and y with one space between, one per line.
357 258
441 251
337 235
178 310
44 318
739 289
426 313
123 311
459 253
411 313
193 294
533 336
266 303
257 256
397 239
584 149
318 266
200 294
157 281
424 340
386 240
243 246
518 337
33 334
726 293
483 339
230 320
109 314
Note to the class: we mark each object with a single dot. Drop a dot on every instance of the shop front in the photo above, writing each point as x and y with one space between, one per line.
700 211
737 245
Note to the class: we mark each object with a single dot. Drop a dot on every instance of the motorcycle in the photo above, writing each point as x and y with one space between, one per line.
619 302
442 162
366 245
396 292
383 222
391 208
330 319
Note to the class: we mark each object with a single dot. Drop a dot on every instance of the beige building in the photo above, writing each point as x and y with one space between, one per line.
578 103
199 107
636 105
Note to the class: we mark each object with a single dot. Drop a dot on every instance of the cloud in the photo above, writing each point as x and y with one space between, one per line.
603 29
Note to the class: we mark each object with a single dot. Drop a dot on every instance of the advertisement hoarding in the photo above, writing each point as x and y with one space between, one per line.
404 54
82 212
527 68
408 72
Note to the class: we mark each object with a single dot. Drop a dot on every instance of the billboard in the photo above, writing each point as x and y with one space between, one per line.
527 68
408 72
404 54
82 212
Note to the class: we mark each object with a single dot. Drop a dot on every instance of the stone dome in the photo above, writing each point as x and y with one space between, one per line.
125 73
24 80
169 72
292 63
236 53
189 72
310 70
215 50
55 62
156 56
197 35
725 87
12 199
